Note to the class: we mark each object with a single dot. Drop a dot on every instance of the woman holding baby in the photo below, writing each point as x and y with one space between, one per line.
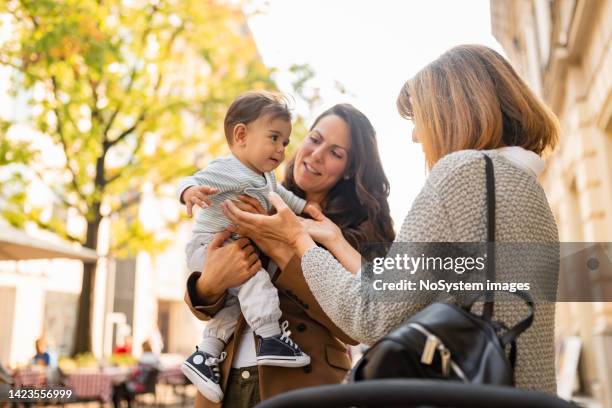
338 168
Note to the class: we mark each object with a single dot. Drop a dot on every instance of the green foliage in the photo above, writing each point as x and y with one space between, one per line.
11 209
133 93
14 152
132 236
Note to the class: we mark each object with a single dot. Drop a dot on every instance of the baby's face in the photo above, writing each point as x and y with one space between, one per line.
266 140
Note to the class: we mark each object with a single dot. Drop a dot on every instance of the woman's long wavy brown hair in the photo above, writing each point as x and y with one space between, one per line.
358 205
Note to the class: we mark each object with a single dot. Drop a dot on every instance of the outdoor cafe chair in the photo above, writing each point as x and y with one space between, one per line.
150 385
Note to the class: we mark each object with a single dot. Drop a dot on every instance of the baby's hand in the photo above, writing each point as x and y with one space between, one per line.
198 195
314 210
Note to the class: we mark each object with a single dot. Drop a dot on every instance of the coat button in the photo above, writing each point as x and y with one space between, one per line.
307 369
245 374
301 327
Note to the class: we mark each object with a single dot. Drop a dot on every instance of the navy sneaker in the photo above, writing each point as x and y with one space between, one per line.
202 370
281 350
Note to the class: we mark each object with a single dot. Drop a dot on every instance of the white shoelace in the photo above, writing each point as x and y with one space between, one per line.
213 363
286 333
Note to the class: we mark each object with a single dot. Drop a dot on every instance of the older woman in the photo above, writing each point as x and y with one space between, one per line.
337 167
467 103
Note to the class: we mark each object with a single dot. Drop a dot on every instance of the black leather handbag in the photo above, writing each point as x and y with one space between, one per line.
446 341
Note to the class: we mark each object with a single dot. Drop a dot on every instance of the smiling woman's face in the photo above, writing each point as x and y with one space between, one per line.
323 157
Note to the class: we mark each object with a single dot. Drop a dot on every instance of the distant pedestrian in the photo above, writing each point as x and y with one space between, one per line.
42 357
141 380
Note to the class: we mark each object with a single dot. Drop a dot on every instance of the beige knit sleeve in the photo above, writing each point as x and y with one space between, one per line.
351 302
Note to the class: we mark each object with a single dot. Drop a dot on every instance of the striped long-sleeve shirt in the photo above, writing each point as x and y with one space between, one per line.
233 178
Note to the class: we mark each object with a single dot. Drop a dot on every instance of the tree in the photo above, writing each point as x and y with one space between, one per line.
132 92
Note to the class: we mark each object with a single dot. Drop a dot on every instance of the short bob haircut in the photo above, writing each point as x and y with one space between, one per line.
251 105
472 98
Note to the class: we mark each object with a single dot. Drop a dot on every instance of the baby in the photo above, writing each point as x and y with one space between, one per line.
257 127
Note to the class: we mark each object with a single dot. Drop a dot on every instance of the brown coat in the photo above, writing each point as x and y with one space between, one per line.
316 334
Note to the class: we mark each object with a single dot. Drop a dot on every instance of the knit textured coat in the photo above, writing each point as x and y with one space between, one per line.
451 207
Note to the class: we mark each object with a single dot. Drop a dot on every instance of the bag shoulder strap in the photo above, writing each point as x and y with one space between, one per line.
488 308
490 193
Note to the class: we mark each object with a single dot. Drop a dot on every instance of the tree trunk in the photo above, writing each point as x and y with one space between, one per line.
83 339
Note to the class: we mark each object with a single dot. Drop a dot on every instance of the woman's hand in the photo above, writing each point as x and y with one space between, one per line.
328 234
322 230
226 266
278 251
284 226
249 204
314 210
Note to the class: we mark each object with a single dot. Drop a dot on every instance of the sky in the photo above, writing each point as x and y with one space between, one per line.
371 48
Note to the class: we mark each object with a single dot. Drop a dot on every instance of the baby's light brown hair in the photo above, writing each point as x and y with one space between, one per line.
251 105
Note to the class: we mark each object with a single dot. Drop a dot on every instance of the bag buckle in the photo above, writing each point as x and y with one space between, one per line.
429 350
445 356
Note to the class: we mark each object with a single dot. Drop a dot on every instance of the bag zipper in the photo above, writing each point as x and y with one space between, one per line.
434 343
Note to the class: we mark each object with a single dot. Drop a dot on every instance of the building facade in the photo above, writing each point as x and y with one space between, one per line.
563 49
